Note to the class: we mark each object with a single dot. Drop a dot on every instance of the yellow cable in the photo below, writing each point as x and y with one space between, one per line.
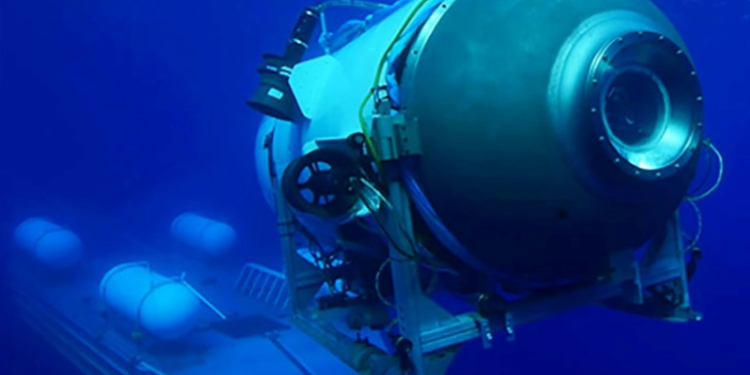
362 120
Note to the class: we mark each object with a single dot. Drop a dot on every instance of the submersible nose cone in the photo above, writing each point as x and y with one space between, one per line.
519 142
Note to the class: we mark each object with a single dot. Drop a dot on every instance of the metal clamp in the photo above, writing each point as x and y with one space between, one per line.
395 137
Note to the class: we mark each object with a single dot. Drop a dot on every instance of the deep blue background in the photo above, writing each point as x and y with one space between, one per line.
136 108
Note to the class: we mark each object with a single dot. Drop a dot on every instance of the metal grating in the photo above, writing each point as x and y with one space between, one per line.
263 285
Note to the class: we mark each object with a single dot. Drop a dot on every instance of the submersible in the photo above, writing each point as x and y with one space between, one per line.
529 154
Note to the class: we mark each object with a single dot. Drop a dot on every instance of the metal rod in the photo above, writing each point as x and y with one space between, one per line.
202 298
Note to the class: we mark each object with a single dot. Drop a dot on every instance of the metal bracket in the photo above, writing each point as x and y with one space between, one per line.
395 137
628 275
662 269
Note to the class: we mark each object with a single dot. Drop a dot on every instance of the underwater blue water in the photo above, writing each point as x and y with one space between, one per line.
137 108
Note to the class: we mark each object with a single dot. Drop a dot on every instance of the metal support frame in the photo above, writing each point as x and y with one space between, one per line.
662 268
303 281
421 321
430 336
